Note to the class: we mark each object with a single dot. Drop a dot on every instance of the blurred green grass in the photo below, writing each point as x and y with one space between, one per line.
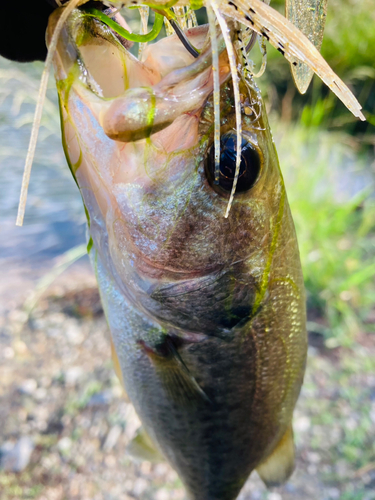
335 227
320 143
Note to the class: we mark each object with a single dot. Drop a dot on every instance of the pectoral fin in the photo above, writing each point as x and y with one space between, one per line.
278 466
174 374
142 447
179 383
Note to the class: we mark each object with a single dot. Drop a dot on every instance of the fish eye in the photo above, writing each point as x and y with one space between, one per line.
250 165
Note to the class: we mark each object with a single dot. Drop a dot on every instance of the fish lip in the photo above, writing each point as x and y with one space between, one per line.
204 58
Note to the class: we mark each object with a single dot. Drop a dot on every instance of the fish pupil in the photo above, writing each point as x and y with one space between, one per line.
249 166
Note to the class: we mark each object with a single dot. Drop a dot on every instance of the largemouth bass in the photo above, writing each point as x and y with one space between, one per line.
206 312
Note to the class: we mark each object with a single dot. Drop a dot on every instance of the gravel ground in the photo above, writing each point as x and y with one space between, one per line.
65 423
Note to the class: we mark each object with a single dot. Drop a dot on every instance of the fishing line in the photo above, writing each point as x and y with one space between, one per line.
236 93
216 96
39 108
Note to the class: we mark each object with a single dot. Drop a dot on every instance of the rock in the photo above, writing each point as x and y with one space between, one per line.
342 469
178 494
290 488
274 496
140 485
333 493
8 352
372 413
302 424
56 319
162 494
257 495
73 375
112 438
15 457
161 469
100 399
312 469
28 386
40 394
110 461
351 424
18 316
64 445
313 457
74 333
20 348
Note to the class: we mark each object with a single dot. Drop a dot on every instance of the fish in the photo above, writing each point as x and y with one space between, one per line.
207 313
190 232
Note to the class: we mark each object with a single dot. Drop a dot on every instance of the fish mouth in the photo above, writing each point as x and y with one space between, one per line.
153 90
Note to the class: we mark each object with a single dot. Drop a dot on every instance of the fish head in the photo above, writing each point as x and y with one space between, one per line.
139 139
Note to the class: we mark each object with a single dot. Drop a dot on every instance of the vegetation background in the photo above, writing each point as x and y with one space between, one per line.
65 423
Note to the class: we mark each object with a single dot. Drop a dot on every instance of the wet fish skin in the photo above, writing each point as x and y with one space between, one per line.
207 314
